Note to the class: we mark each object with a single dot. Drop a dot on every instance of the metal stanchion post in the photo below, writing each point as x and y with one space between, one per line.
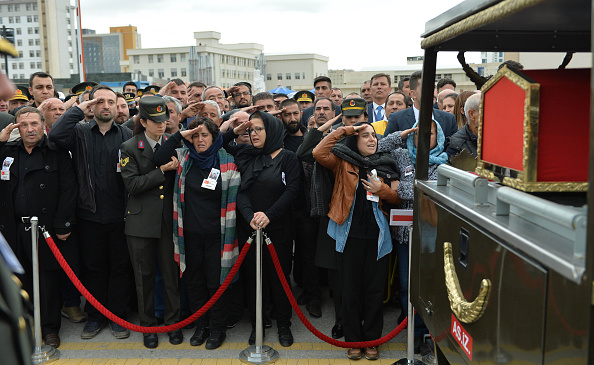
410 327
259 353
41 354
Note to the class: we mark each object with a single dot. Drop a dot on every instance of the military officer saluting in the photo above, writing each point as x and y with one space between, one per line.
37 179
149 216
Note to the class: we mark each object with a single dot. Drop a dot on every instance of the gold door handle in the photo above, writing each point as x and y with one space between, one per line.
465 311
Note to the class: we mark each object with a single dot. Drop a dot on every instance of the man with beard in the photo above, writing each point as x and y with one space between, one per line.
52 110
242 94
95 150
122 111
323 88
306 237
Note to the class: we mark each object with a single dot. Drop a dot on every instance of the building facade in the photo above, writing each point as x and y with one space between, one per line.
294 71
44 33
103 52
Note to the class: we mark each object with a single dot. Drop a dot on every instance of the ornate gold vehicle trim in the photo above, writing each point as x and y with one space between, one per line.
465 311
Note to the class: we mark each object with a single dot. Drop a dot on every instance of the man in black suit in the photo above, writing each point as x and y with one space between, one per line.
381 87
405 119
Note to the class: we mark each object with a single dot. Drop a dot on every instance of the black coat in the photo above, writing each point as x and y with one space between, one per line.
405 119
51 195
151 191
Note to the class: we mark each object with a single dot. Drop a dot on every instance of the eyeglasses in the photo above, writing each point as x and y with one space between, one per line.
256 130
245 93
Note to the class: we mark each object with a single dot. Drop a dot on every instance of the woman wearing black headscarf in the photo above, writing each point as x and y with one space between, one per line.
359 224
269 185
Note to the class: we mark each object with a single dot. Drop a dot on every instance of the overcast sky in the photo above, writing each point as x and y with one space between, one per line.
355 35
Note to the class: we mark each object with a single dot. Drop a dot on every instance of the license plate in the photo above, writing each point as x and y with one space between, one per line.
462 337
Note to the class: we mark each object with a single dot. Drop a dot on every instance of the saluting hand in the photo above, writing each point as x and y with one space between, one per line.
171 165
192 110
405 133
326 126
86 106
188 133
5 133
242 128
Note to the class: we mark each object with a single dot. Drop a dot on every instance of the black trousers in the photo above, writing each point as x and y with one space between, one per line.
203 274
276 294
306 239
363 282
106 267
50 299
144 252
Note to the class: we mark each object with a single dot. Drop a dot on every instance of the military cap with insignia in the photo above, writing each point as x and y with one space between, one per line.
21 93
130 98
68 97
353 106
82 87
153 108
151 89
304 95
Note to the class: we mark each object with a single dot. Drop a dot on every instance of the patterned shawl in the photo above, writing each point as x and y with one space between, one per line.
230 179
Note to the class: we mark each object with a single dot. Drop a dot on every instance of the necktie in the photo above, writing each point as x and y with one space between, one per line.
157 146
379 114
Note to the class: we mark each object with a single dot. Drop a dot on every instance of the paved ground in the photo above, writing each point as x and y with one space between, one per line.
307 349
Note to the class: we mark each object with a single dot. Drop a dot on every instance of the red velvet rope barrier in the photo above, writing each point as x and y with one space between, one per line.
311 328
161 329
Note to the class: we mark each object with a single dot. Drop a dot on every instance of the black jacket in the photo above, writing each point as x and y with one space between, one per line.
72 134
51 194
464 139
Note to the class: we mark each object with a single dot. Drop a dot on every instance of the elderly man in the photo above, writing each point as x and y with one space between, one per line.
52 110
336 96
174 107
29 164
466 138
95 148
215 94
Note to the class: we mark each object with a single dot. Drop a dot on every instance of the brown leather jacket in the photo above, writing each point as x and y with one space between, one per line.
346 177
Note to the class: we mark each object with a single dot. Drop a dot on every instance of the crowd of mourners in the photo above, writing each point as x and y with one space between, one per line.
158 189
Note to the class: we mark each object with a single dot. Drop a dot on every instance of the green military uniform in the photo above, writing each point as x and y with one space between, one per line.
149 218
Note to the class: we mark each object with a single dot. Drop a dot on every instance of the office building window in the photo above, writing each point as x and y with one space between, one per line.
21 65
14 66
447 76
11 19
174 72
297 76
31 53
37 42
32 65
279 76
34 6
30 42
35 18
150 58
173 57
38 54
37 32
288 76
17 7
268 77
136 59
161 73
30 30
28 6
20 54
17 19
19 42
182 57
19 31
29 18
10 8
151 73
159 58
222 73
38 64
183 72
